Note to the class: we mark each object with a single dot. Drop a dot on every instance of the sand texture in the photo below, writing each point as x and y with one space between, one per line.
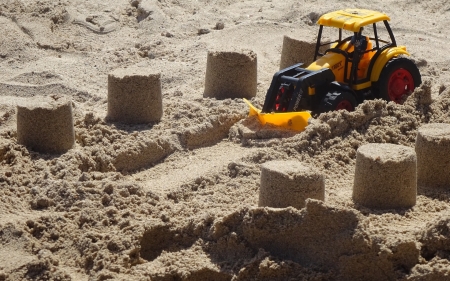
177 198
385 176
433 154
296 51
289 184
231 74
134 96
46 124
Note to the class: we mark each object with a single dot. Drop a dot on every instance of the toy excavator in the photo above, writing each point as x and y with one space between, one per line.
354 69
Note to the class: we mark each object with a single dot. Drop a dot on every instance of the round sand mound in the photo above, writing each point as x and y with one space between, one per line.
231 74
433 154
46 125
296 51
385 176
134 96
289 183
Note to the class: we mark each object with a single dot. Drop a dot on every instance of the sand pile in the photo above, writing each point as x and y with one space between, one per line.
177 198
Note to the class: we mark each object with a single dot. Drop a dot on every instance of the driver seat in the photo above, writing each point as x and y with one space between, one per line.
365 59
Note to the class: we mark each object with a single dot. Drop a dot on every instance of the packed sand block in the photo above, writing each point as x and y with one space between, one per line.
433 154
45 124
134 96
289 183
231 74
295 51
385 176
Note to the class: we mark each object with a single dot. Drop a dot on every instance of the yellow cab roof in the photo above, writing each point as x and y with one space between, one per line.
351 19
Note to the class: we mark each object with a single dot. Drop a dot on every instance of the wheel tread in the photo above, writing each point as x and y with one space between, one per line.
391 65
328 102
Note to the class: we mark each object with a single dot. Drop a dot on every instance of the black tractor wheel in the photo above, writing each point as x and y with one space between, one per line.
399 77
337 101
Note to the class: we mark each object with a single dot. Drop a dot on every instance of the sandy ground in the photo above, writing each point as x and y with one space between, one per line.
177 200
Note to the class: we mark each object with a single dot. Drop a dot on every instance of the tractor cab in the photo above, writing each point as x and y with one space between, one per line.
357 46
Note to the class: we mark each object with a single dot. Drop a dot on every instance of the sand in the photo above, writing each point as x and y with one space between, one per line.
46 125
134 96
177 199
385 176
288 184
433 150
231 74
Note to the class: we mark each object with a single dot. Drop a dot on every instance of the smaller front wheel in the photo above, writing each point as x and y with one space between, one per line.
283 98
337 101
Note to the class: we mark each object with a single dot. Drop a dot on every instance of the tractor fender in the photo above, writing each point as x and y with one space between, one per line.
340 87
383 58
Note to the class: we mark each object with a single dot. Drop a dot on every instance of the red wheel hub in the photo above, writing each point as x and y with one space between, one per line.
282 99
400 83
345 104
278 100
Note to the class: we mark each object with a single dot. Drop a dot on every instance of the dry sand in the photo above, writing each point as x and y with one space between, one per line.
177 199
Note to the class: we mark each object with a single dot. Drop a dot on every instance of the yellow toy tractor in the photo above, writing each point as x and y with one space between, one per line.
359 65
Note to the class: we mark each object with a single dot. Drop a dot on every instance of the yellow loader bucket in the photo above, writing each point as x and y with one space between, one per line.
291 120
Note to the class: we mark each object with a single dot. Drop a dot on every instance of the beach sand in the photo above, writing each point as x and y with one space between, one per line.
177 199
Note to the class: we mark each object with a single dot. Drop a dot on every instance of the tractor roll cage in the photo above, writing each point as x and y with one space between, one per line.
352 79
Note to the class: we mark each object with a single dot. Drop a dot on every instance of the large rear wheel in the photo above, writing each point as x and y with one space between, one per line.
337 101
399 78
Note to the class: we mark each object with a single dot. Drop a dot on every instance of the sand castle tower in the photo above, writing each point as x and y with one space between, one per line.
289 183
433 155
134 96
295 51
231 74
385 176
45 124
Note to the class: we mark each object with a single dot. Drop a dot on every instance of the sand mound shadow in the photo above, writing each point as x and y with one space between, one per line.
436 240
159 238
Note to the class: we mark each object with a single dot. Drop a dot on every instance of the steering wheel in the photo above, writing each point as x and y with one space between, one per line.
336 50
344 40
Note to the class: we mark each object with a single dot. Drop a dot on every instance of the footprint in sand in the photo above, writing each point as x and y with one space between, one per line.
94 23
